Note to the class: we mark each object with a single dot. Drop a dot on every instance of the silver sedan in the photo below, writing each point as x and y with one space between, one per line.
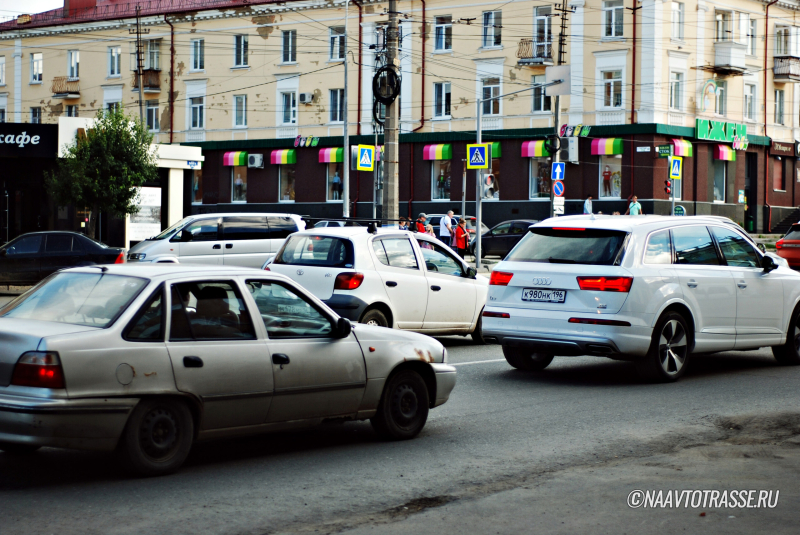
149 359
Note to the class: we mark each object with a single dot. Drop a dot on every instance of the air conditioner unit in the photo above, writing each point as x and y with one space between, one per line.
573 150
255 160
306 98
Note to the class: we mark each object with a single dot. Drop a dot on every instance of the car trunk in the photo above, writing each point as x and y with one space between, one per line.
314 261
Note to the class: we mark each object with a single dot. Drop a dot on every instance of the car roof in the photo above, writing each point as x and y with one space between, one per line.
242 214
347 232
169 270
630 222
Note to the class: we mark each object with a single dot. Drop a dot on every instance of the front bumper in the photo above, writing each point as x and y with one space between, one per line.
347 306
445 382
93 424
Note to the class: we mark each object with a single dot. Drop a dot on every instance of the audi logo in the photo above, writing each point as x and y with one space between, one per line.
544 281
300 271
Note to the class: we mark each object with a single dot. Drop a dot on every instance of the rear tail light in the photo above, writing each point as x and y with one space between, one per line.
348 281
41 369
595 321
500 278
605 284
487 314
779 244
120 259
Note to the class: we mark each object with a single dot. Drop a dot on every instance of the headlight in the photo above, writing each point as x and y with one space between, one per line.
137 256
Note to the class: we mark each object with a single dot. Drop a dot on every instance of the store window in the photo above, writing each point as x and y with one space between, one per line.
610 177
197 186
492 182
720 180
440 180
239 183
286 183
540 178
335 174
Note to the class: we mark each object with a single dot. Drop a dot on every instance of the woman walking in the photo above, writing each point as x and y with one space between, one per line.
462 237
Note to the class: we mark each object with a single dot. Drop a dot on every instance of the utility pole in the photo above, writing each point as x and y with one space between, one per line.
391 132
464 189
347 152
557 104
139 57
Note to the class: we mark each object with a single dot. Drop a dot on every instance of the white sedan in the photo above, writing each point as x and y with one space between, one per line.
389 277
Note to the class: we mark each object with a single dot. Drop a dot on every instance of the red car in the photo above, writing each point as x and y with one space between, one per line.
789 246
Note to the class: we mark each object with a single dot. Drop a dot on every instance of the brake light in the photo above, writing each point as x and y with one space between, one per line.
120 259
487 314
348 281
605 284
567 228
500 278
779 244
595 321
40 369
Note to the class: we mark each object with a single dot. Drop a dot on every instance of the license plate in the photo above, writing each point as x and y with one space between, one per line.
544 295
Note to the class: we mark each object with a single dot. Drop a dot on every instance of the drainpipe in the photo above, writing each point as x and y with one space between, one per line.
766 155
422 106
360 67
633 70
171 77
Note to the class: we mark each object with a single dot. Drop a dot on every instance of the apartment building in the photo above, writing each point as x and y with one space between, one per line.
715 81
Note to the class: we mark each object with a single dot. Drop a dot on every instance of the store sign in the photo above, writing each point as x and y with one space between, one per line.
782 149
663 150
720 131
25 140
575 131
147 221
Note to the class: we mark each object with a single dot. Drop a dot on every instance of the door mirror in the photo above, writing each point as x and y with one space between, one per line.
472 273
186 236
343 328
761 247
768 264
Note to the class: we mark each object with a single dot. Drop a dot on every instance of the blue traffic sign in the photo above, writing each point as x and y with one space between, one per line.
478 156
675 167
558 188
558 171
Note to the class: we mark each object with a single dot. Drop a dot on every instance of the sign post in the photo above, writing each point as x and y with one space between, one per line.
675 173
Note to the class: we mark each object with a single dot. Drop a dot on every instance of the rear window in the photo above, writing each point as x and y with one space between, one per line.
793 234
570 246
316 251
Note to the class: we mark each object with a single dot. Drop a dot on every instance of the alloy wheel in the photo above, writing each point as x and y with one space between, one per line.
673 347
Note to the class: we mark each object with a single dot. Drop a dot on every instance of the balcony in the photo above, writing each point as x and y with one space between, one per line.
65 87
729 57
151 81
786 69
532 52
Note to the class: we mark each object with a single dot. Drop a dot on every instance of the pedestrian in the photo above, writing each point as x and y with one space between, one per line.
429 230
402 224
634 208
419 224
446 227
587 206
462 237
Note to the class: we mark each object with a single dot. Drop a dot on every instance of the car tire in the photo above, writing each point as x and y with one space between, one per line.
477 334
528 361
374 317
157 437
18 449
668 356
788 354
403 409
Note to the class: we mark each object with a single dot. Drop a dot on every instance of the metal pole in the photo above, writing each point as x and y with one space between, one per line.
139 58
347 154
672 182
375 173
557 110
464 189
478 192
391 131
6 212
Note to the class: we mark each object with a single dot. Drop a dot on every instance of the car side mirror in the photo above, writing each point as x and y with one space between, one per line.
343 328
472 273
761 247
186 236
768 264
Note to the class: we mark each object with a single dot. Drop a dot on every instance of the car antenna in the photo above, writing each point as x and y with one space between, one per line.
101 268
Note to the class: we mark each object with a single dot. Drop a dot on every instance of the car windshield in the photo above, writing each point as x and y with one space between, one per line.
570 246
171 230
91 299
308 250
793 234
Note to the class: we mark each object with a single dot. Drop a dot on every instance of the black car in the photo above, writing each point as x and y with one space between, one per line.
503 237
31 257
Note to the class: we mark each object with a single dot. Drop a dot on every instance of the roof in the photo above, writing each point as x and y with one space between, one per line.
627 222
168 270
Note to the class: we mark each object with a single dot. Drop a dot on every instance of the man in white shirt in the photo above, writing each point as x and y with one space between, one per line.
587 206
446 227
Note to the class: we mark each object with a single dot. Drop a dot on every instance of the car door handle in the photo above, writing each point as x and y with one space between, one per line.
436 288
229 246
391 284
217 246
280 358
192 362
742 284
692 284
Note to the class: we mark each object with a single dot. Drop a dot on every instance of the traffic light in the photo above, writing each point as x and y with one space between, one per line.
668 187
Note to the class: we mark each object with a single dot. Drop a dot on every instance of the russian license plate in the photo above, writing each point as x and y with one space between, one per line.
544 295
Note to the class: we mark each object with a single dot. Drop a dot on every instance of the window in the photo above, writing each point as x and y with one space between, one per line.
720 180
72 110
281 226
152 116
286 183
735 249
751 38
239 183
441 100
2 115
779 93
443 33
198 55
239 110
676 90
440 180
610 177
540 178
151 55
335 174
113 106
658 250
492 27
612 18
73 64
743 29
438 260
778 176
491 88
198 113
25 245
312 250
211 310
677 20
58 243
36 115
2 70
240 51
693 246
542 25
149 323
337 105
782 41
287 314
289 107
612 89
289 47
750 101
201 230
395 252
337 38
541 102
36 68
197 186
721 100
114 61
722 26
587 247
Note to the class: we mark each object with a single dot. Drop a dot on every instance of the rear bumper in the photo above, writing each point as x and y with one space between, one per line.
347 306
94 424
445 382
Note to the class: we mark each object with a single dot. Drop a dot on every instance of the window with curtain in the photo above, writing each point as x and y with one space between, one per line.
337 105
612 18
337 43
240 110
750 101
198 113
491 88
722 26
73 64
675 91
541 102
198 54
36 67
443 30
721 99
114 61
289 107
677 20
779 106
492 28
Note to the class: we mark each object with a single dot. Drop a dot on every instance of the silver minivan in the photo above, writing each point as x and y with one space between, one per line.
238 239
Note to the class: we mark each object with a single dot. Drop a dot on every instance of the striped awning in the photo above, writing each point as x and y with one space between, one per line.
535 149
437 152
285 156
606 146
234 158
496 150
331 155
681 148
724 152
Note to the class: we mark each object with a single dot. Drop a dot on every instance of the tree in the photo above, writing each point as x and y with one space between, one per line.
104 169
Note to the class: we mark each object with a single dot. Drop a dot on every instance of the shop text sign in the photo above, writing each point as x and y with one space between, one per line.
720 131
31 140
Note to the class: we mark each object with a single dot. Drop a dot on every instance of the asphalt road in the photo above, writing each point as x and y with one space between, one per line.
502 431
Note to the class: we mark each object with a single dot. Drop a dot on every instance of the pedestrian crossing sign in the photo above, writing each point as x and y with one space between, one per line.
478 156
675 167
366 158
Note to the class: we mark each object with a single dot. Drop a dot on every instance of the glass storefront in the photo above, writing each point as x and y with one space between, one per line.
610 177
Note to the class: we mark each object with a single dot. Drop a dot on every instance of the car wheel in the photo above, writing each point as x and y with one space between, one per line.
789 353
158 436
529 361
477 334
18 449
403 409
375 317
668 356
